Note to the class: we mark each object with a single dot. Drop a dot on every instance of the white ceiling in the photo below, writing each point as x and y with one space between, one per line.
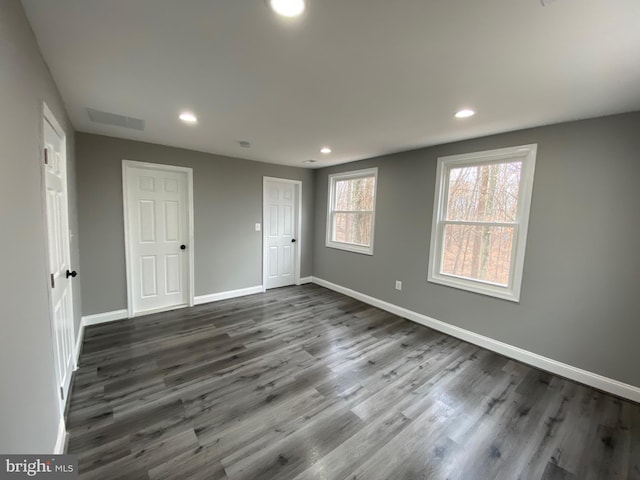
366 77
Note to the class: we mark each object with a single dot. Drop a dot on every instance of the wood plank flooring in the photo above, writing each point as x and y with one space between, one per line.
305 383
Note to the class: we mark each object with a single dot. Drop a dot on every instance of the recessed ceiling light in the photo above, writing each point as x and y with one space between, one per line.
465 113
325 150
288 8
188 117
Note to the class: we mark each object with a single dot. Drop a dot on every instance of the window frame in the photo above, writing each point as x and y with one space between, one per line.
351 175
511 292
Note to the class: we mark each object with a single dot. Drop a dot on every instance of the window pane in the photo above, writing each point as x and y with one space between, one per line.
478 252
485 193
352 228
354 194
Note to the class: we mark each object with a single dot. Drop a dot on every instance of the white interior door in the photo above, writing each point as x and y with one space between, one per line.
58 240
280 232
158 236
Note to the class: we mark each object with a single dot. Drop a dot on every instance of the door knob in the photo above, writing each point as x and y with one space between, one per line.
183 247
293 240
71 274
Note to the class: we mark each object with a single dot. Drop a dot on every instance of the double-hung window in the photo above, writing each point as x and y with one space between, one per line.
480 219
351 210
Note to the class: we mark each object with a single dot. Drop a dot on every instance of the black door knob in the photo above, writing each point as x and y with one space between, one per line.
71 274
293 240
183 247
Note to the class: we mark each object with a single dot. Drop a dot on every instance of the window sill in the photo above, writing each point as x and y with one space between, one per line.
504 293
350 248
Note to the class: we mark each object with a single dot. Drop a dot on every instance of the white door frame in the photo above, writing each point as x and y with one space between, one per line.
298 229
126 165
48 116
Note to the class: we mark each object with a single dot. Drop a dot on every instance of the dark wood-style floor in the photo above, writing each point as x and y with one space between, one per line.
304 383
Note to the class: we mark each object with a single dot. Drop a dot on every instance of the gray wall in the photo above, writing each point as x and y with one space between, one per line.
580 299
227 205
28 404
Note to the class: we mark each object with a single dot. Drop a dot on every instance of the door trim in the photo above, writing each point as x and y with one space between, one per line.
298 230
127 164
48 116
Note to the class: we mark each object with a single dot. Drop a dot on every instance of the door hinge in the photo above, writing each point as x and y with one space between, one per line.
46 156
61 394
53 281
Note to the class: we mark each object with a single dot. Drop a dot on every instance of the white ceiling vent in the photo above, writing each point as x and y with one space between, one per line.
114 119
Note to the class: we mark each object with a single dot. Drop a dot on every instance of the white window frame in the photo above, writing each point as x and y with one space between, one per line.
336 177
526 153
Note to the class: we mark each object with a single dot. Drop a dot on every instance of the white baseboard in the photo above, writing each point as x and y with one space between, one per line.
61 439
105 317
579 375
214 297
304 280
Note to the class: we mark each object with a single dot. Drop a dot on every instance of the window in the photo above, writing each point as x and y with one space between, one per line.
351 212
480 217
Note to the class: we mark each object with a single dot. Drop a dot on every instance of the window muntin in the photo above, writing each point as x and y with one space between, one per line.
351 211
480 220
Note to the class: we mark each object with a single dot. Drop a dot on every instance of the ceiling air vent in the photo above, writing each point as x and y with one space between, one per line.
113 119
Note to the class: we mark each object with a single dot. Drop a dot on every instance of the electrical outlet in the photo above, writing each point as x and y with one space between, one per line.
258 227
398 285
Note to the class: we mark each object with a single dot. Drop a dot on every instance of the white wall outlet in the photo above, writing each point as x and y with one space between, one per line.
398 285
258 227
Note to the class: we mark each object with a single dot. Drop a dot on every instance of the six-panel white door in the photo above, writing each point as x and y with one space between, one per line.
280 231
60 281
157 208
